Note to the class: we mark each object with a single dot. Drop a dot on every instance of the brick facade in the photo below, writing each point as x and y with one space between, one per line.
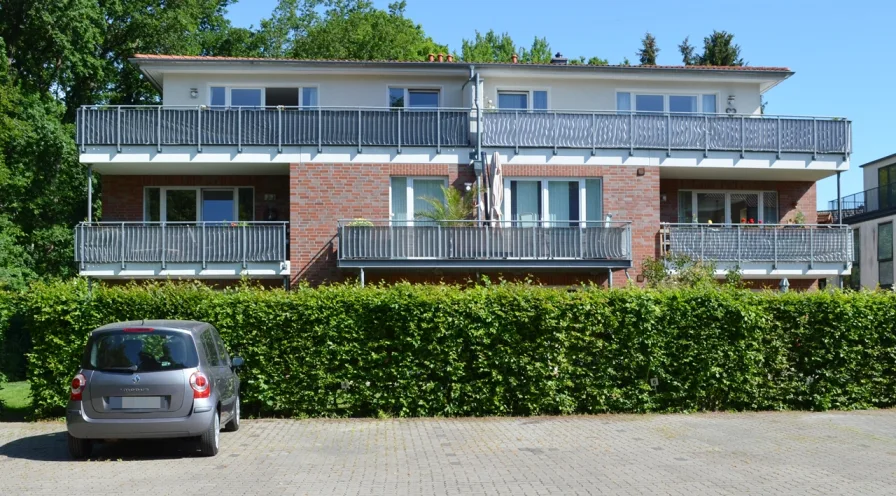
123 195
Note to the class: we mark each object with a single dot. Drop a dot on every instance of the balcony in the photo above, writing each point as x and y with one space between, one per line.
484 244
646 131
271 126
196 250
764 250
866 204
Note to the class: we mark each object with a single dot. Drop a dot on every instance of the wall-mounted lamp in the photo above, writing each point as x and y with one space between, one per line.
468 186
194 93
731 109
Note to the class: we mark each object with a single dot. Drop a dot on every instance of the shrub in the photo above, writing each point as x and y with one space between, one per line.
501 349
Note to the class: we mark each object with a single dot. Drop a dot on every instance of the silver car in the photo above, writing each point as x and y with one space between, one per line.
153 379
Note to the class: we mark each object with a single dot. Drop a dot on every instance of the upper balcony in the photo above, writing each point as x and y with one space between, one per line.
866 204
581 129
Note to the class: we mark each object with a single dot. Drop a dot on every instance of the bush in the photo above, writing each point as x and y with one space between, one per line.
433 350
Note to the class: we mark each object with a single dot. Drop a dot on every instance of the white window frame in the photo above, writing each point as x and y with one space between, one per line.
666 94
407 95
528 90
409 195
728 193
163 201
544 214
229 87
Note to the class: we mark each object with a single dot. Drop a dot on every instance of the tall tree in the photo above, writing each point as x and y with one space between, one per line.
719 49
538 53
687 52
649 50
489 47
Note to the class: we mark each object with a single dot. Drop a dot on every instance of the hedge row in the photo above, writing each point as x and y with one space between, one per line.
415 350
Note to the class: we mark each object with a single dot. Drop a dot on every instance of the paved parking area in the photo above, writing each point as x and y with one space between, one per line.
751 453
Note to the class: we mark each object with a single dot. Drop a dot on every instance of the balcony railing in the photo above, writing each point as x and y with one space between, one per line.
272 126
180 242
868 201
484 243
775 243
660 131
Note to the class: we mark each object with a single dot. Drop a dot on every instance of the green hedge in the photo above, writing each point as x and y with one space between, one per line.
415 350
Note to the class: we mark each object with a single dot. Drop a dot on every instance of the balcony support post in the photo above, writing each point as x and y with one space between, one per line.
839 201
554 132
320 129
738 243
516 133
199 128
164 246
438 130
362 277
90 192
399 130
81 244
609 278
631 134
743 137
668 135
814 138
702 242
812 248
159 129
705 135
118 128
439 240
279 128
245 246
81 133
778 129
775 247
593 134
121 242
239 130
204 245
360 149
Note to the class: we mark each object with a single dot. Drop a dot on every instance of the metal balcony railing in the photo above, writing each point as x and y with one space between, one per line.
870 200
272 126
810 244
663 131
467 241
180 242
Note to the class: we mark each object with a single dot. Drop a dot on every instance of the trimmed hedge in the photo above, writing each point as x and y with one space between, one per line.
432 350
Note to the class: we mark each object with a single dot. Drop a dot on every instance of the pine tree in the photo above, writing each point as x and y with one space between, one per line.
719 49
687 52
648 52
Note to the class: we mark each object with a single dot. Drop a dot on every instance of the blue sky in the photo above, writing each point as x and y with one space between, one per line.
842 51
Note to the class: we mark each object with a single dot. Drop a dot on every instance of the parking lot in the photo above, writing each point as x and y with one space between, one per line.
751 453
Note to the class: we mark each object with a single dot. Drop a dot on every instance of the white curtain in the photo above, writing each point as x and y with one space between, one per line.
558 201
399 198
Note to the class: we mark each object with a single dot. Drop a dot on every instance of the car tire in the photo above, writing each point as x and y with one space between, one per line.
79 449
211 438
234 424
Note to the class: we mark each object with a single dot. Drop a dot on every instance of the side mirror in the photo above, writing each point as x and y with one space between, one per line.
237 362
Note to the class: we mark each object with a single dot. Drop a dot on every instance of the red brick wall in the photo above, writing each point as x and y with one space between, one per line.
793 196
324 193
123 195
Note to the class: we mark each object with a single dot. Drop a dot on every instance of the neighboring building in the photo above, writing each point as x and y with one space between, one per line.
871 214
262 168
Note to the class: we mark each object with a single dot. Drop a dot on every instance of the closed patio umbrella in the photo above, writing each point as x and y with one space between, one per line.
497 189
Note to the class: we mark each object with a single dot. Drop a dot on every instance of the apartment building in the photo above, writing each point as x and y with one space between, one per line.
319 171
870 215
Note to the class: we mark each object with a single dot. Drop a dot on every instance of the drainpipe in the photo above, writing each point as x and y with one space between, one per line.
89 193
474 76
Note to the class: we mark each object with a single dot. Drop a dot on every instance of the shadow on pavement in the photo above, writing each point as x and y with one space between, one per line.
53 448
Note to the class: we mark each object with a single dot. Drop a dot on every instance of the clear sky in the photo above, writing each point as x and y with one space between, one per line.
841 50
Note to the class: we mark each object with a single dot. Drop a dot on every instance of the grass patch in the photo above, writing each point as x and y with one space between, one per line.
16 400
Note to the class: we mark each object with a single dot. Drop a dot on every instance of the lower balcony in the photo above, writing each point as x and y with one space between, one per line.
202 250
767 250
484 244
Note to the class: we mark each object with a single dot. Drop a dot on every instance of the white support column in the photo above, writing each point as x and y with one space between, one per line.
89 193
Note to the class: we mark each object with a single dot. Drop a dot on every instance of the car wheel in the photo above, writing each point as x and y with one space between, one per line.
234 424
211 438
79 449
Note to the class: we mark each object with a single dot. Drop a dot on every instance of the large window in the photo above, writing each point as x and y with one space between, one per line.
885 254
221 96
656 102
886 178
413 98
408 196
185 204
559 202
523 100
728 207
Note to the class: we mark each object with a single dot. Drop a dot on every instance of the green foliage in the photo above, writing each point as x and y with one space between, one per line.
489 47
502 349
649 50
455 206
676 271
688 56
718 49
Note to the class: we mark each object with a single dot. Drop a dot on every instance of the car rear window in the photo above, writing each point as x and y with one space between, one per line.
140 351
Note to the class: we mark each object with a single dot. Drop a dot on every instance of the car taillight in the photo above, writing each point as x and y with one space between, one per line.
201 386
78 384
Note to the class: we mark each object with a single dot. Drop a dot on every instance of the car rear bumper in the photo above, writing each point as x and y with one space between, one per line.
81 426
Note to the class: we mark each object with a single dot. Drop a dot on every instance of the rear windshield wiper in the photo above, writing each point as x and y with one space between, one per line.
132 368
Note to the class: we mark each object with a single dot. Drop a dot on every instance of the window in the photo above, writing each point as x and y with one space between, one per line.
182 204
885 254
408 196
211 351
723 207
676 104
413 98
886 177
523 100
559 202
150 351
221 96
855 276
222 350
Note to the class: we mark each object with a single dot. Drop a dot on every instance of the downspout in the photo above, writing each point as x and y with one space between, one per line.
474 76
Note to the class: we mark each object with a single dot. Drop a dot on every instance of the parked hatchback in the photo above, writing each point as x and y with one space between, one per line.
153 379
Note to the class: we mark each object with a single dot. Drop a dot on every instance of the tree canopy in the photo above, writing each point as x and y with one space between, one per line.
718 49
649 50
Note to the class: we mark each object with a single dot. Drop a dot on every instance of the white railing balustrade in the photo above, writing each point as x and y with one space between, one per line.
664 131
775 243
484 240
181 242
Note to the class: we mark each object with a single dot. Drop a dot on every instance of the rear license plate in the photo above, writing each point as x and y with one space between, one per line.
137 402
